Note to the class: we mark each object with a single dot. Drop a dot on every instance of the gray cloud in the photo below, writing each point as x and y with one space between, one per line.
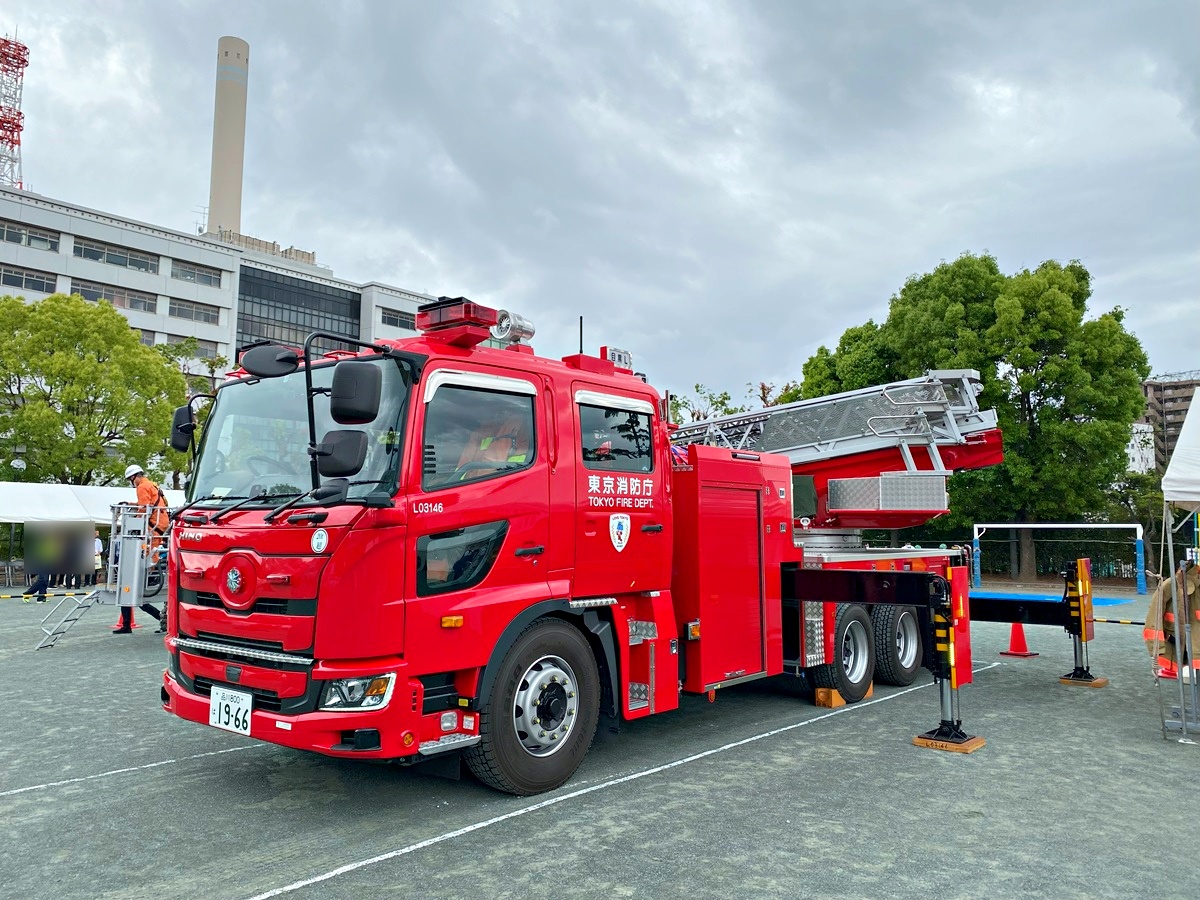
718 187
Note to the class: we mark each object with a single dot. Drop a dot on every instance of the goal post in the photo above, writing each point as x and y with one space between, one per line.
1139 544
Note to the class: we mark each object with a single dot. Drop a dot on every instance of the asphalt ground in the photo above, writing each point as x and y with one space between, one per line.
1076 793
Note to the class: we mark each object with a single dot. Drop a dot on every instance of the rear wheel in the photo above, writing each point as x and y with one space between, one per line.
540 719
898 650
853 667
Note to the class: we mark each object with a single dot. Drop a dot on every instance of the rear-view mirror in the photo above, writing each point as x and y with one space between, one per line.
270 361
182 427
342 453
354 398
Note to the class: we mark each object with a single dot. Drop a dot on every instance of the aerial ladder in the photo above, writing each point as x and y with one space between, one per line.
877 457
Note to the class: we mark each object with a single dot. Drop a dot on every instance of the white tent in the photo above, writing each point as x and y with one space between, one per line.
1181 483
1181 488
66 502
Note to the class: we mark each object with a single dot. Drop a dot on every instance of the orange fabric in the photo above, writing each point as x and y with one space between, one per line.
151 498
501 448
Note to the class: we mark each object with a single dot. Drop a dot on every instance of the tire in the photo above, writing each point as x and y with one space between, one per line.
854 655
548 677
797 685
898 644
154 584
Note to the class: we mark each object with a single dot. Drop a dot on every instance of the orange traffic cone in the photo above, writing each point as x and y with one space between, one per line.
131 622
1016 642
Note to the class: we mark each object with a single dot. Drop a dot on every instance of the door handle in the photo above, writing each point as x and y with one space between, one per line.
652 528
530 551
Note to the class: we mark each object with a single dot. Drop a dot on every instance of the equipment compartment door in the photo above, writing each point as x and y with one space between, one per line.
731 584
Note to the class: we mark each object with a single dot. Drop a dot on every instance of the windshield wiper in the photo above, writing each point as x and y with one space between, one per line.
216 517
179 512
332 491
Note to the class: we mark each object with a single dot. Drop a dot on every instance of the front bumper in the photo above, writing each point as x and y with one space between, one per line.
397 731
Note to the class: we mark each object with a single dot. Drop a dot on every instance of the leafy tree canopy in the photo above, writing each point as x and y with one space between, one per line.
1066 389
81 392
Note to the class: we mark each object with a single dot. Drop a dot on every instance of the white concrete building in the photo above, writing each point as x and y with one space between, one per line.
223 290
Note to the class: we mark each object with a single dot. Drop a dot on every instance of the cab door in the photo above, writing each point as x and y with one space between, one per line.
623 531
477 508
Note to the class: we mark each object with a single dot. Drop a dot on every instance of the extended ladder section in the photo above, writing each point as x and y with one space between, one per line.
859 445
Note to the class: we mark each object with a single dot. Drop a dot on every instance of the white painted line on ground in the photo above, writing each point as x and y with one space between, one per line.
554 801
153 765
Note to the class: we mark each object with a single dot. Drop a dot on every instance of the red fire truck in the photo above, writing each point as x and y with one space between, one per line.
437 549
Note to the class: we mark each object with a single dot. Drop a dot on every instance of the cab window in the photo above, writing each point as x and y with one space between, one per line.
616 440
473 433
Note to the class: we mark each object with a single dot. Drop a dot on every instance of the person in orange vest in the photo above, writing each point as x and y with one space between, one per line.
151 499
1162 636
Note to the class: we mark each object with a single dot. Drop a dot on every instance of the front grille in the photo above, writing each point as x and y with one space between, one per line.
263 654
275 606
248 643
263 699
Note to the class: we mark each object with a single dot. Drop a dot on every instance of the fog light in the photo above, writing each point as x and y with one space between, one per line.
358 694
450 721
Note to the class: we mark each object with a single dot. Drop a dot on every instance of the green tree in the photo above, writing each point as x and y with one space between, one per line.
1066 390
201 377
80 390
707 404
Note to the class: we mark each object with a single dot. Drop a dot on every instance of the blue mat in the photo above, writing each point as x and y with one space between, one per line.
1046 598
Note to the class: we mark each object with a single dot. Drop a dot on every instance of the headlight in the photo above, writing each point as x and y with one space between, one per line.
371 692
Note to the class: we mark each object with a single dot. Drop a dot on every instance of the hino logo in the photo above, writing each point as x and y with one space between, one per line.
191 535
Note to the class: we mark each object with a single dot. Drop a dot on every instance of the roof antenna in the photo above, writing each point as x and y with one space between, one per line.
581 334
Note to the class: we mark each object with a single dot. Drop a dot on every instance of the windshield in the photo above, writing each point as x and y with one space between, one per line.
256 439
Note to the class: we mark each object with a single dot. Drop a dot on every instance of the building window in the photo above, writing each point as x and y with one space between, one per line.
122 298
204 349
116 256
287 309
28 279
195 272
398 319
146 337
28 236
197 312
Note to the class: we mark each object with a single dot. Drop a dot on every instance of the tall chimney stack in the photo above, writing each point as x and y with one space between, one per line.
229 136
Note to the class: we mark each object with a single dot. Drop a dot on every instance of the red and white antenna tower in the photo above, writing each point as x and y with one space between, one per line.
14 57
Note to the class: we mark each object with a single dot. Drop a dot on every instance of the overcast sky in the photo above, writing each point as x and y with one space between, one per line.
717 187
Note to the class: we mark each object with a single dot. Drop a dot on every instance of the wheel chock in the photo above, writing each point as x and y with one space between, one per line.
949 736
830 698
1083 677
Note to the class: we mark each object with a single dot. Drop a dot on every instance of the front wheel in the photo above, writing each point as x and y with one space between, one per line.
540 719
853 667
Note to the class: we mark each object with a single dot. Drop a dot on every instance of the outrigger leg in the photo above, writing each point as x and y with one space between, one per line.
949 734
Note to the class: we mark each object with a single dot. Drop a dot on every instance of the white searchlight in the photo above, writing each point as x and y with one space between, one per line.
512 328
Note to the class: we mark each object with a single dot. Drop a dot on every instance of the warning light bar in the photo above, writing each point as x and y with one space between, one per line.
456 320
446 312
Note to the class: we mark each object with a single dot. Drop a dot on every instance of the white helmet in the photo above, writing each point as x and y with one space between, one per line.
132 470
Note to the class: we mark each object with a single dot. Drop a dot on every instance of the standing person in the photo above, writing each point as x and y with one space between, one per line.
150 499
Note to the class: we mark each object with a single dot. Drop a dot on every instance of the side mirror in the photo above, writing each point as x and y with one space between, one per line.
342 453
354 399
332 492
183 425
270 361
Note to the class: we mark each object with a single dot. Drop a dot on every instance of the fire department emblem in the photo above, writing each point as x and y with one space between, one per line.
618 530
233 580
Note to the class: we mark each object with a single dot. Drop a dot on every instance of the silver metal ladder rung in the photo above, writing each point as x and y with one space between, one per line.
75 611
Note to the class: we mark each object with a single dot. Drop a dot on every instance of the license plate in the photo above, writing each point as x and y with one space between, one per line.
230 710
